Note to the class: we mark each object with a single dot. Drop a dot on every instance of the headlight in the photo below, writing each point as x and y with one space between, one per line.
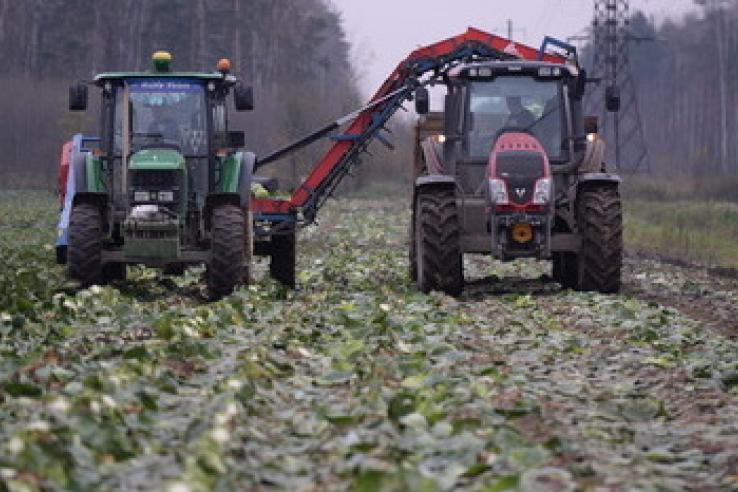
166 196
498 191
141 196
542 193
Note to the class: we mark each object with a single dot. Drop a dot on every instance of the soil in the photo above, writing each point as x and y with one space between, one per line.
707 295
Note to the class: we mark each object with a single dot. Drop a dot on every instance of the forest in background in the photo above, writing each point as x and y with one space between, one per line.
686 77
294 53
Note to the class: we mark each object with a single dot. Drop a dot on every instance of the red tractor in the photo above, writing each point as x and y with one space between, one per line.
512 169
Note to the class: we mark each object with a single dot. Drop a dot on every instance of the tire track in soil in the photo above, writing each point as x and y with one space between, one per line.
706 295
600 422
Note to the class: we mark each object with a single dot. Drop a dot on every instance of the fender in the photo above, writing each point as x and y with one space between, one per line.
431 151
78 172
237 190
248 164
435 180
599 178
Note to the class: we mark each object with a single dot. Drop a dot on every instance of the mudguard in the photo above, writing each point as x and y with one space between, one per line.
599 178
432 151
435 179
237 185
245 177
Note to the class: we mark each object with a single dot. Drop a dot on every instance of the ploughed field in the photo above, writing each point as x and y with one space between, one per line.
356 381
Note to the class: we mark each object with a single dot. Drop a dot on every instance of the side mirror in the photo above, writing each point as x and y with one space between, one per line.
422 100
591 124
612 98
78 97
236 140
243 97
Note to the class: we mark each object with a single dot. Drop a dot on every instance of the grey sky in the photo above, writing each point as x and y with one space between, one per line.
384 32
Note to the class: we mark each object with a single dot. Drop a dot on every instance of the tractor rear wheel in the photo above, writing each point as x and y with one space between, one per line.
438 258
84 253
601 228
228 251
282 259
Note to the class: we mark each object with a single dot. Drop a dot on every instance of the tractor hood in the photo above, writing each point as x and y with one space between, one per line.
519 173
157 159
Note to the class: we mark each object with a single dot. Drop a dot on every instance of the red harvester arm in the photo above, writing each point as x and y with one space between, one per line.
431 57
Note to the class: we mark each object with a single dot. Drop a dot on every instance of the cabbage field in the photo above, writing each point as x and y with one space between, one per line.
356 381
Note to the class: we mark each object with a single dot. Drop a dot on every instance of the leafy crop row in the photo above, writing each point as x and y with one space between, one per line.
357 382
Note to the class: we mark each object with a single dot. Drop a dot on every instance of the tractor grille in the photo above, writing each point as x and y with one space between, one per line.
520 170
161 187
155 179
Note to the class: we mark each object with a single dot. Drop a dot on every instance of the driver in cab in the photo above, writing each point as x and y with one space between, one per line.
164 125
519 116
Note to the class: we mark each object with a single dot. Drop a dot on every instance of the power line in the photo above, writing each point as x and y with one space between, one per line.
615 98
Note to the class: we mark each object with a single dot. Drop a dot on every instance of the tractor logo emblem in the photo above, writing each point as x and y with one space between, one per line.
520 192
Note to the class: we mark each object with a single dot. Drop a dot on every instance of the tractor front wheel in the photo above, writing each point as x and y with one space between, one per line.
228 252
84 253
438 257
601 228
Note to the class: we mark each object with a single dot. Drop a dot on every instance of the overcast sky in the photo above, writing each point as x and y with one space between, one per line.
384 32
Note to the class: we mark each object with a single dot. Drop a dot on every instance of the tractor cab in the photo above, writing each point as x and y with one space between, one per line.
529 97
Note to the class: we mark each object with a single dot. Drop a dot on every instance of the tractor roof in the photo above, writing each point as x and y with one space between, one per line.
215 77
512 66
162 68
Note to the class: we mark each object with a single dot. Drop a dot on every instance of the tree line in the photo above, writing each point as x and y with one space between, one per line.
294 53
685 73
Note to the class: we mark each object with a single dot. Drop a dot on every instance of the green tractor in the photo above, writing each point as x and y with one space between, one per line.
166 184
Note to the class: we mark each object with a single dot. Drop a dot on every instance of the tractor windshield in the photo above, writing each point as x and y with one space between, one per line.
167 113
516 103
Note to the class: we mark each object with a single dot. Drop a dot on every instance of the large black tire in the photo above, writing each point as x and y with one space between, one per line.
438 255
226 270
282 259
84 253
601 227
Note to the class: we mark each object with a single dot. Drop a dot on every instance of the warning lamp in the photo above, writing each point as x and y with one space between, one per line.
162 61
224 66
